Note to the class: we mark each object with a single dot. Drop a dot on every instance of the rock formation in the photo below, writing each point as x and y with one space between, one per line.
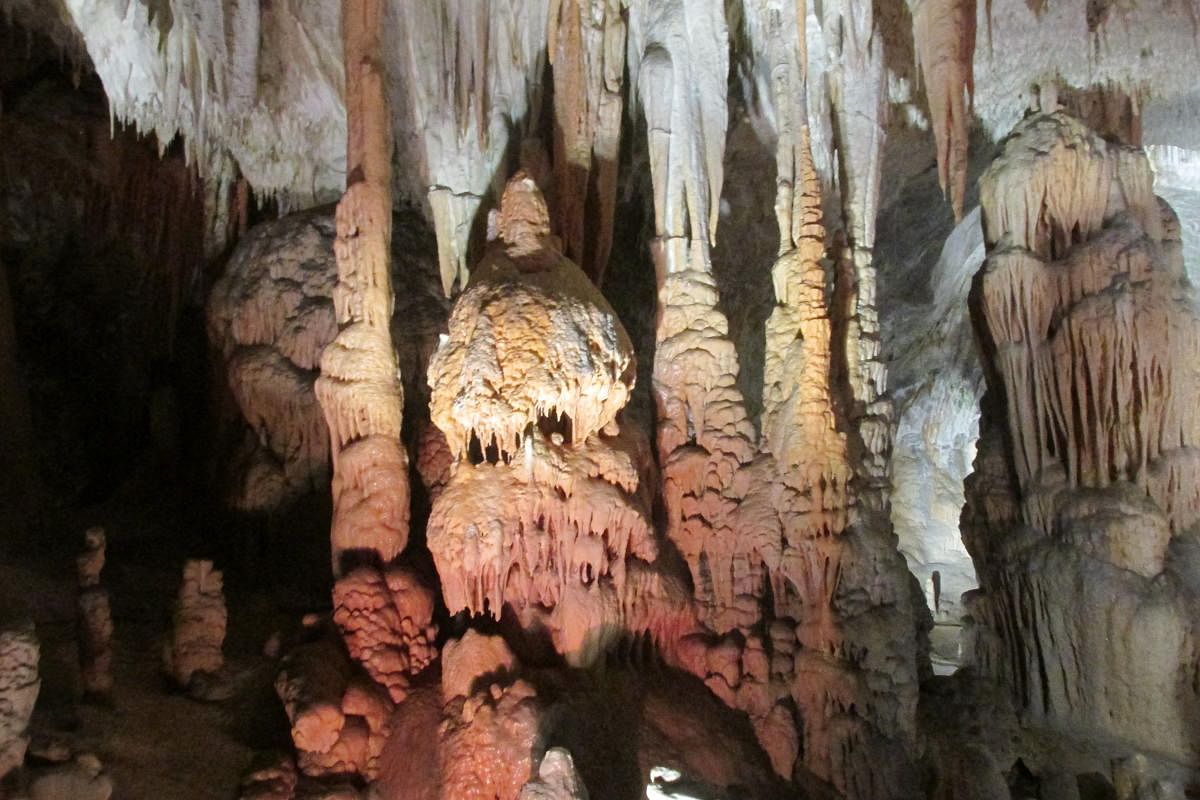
19 685
195 644
359 389
556 779
271 315
340 717
386 619
491 724
586 48
545 511
1084 490
94 623
944 31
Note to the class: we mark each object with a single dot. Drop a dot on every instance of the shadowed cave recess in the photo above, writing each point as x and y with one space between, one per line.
610 399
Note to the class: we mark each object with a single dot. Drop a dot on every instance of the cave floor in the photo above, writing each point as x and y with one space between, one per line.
155 741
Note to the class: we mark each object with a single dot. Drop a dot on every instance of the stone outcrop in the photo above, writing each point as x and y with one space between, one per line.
197 637
1084 493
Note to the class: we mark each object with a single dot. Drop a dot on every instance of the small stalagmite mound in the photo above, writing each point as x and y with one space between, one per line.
94 622
195 645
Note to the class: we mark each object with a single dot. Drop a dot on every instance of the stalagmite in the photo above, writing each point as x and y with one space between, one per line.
679 62
586 47
545 509
491 722
271 315
856 85
19 686
94 622
340 718
198 625
1087 469
359 390
556 779
387 622
944 31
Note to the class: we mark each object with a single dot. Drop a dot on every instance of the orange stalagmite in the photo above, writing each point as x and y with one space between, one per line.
359 388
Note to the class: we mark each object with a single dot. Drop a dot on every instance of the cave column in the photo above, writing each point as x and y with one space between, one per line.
359 388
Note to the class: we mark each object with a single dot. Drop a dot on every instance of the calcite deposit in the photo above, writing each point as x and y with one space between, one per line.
195 643
695 422
1086 474
545 511
271 316
340 717
359 388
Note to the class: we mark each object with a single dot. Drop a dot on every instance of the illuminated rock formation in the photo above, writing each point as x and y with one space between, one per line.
94 622
1087 468
545 510
386 620
556 779
679 64
491 723
271 315
944 31
19 686
359 389
340 718
531 343
198 625
489 63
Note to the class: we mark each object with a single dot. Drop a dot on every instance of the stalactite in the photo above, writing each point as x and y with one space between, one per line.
944 31
679 63
586 46
856 85
359 388
489 59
